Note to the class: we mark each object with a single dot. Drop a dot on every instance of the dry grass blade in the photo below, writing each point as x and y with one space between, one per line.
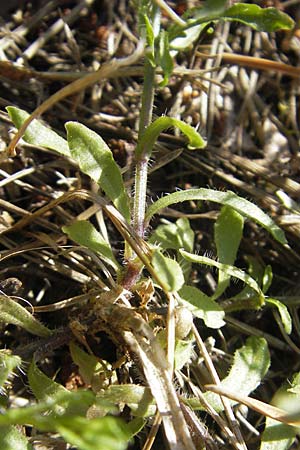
259 406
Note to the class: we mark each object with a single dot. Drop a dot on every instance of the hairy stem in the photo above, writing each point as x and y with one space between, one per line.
141 171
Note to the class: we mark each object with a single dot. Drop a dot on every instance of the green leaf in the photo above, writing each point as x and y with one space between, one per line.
277 435
85 234
13 439
47 390
164 58
228 234
267 279
183 353
138 398
94 371
96 160
202 306
227 269
181 38
150 135
250 365
150 40
105 433
283 312
174 235
38 134
261 19
168 271
242 206
38 414
8 363
12 312
294 387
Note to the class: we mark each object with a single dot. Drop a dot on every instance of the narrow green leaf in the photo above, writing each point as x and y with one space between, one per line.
39 415
202 306
227 269
96 160
8 363
164 58
267 279
48 391
228 234
168 270
150 135
84 233
283 312
150 40
12 312
37 133
106 433
13 439
261 19
244 207
250 365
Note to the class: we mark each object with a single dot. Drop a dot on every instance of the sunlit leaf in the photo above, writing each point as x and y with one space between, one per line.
47 390
94 371
261 19
13 439
242 206
152 132
37 133
228 234
164 59
250 365
283 312
38 414
138 398
202 306
96 160
183 353
84 233
174 235
13 313
267 278
106 433
168 271
8 363
277 435
227 269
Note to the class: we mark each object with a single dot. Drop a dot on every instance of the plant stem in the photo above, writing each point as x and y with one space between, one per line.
141 170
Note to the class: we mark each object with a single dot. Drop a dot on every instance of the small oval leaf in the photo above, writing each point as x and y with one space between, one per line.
168 271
